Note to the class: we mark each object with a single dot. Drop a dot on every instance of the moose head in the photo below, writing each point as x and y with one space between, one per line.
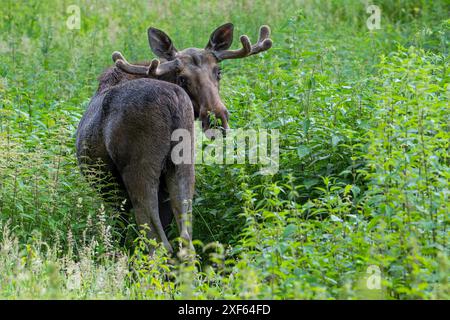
197 71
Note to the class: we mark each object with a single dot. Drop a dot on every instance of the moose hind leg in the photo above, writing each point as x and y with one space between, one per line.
144 197
180 183
165 210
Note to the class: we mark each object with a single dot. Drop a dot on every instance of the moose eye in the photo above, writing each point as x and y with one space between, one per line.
182 81
219 74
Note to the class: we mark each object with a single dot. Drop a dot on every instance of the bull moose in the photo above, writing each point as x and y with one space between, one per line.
131 117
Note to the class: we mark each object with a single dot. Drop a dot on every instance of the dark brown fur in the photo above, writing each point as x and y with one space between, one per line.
127 128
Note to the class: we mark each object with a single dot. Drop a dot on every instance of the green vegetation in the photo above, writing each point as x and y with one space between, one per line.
363 186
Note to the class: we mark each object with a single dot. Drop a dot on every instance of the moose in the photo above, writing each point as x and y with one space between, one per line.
129 121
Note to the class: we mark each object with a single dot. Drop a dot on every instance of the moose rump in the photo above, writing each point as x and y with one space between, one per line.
128 128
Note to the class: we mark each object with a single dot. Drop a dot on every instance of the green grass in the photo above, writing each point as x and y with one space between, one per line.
363 186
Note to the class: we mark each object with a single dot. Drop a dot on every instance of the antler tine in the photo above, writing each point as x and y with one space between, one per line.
157 69
153 68
264 43
117 55
124 65
236 54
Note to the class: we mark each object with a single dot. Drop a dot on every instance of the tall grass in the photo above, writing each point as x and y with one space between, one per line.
363 186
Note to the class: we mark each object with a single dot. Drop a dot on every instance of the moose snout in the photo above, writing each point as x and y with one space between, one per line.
220 112
224 116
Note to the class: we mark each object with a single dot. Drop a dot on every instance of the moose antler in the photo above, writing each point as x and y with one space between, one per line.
124 65
264 43
154 70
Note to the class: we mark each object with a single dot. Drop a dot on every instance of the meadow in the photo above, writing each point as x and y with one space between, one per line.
358 209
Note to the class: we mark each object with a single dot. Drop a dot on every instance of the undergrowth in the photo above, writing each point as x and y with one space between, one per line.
359 208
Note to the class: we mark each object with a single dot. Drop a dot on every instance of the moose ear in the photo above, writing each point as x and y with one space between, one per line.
161 44
221 38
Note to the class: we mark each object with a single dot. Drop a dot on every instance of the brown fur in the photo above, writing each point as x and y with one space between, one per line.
127 128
